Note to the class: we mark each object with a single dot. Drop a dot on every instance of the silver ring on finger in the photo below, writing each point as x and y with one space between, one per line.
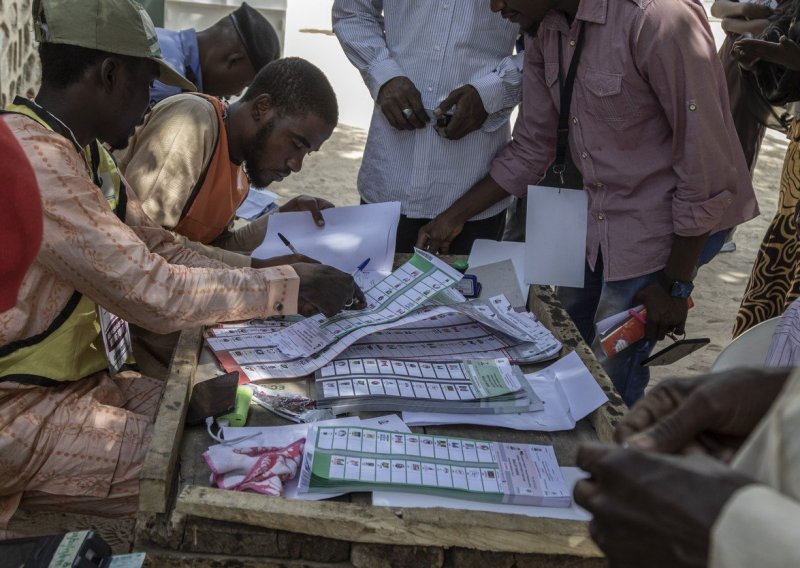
350 303
407 112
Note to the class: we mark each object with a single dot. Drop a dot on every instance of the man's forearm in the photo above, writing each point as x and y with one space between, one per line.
480 197
683 257
726 9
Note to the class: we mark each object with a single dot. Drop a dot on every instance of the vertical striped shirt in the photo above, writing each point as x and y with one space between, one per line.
440 45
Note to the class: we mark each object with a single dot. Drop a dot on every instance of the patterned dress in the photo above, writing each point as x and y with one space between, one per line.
775 279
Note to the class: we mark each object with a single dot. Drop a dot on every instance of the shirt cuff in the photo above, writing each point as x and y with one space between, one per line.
504 171
490 88
693 218
283 286
381 72
757 527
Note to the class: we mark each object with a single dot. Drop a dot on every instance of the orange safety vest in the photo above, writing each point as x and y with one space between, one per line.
217 194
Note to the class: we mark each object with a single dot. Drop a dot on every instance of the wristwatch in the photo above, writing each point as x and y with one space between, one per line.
675 288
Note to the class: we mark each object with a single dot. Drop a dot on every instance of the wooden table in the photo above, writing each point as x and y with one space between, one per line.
183 521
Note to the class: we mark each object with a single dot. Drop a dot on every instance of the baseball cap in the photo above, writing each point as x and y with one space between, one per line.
121 27
257 36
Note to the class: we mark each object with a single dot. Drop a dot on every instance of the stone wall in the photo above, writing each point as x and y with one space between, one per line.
19 65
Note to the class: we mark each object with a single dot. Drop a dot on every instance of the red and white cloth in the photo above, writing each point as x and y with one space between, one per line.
254 468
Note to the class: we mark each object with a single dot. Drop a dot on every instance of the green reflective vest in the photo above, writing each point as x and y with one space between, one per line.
71 347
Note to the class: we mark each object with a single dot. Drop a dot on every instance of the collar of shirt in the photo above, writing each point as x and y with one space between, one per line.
594 11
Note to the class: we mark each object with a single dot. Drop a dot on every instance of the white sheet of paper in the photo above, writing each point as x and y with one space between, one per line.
567 388
485 252
350 236
254 204
555 236
571 476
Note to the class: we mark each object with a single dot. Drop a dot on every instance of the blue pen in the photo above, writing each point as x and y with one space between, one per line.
361 267
287 243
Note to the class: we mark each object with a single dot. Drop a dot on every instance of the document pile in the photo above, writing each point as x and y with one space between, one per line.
486 386
355 458
419 291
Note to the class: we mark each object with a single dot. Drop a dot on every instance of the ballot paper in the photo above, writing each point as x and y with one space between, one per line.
487 386
449 336
350 236
572 513
256 358
279 436
358 458
257 202
418 290
567 388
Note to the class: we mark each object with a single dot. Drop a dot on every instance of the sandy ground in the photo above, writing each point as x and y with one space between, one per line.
332 172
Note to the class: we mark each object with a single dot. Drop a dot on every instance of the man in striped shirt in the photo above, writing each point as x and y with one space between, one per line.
416 58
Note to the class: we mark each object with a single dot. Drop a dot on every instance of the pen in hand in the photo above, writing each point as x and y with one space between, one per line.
289 245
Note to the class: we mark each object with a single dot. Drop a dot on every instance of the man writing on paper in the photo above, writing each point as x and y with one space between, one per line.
649 131
72 434
193 157
450 58
728 496
221 60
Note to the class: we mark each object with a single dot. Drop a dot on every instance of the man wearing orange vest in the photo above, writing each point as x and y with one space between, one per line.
193 157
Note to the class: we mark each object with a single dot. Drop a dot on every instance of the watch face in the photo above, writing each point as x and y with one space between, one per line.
681 289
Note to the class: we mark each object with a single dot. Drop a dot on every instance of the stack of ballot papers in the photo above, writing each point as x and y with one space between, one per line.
350 236
567 389
362 459
487 386
419 290
285 435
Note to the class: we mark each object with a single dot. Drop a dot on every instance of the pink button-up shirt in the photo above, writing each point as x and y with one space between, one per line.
651 129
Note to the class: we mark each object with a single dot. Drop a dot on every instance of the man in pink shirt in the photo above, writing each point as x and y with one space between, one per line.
651 134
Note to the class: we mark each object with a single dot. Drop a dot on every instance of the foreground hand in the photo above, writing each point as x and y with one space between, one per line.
281 260
785 53
470 113
650 509
665 314
437 235
313 205
710 414
399 94
326 289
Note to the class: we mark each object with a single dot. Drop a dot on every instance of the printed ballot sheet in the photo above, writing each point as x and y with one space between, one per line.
418 290
350 236
355 458
569 392
482 386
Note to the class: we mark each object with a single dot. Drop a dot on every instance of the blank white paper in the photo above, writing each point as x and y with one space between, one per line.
350 236
555 236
